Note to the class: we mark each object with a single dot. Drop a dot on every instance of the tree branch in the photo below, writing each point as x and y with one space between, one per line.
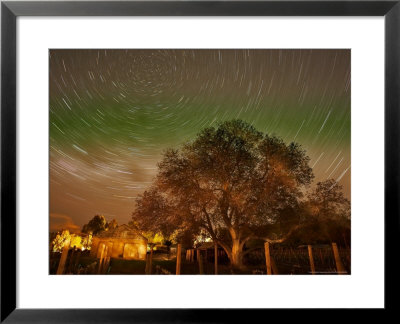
284 238
225 247
244 241
211 230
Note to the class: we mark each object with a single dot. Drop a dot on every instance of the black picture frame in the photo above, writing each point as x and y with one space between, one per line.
11 10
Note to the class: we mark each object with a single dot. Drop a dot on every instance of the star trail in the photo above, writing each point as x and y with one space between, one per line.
113 112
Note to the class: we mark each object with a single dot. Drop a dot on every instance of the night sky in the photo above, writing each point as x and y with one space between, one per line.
113 112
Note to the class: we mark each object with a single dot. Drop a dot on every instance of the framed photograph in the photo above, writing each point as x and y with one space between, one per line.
195 160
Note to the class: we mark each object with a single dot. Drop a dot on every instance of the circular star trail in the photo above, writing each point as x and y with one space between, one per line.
113 112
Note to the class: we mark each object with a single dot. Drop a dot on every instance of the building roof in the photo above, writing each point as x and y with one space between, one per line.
122 232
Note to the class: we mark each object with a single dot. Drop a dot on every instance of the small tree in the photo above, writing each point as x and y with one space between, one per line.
229 182
96 225
87 242
76 241
60 240
327 202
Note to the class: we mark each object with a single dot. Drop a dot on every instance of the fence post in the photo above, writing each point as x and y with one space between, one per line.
215 258
339 265
200 261
76 262
103 247
63 258
106 264
178 259
146 269
104 261
310 255
150 269
71 260
267 258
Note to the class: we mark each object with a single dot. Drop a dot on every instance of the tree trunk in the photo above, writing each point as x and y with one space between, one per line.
236 256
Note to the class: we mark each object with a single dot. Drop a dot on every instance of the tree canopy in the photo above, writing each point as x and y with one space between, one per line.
327 201
98 224
227 183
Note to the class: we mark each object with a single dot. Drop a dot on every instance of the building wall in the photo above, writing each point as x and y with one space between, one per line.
129 249
118 249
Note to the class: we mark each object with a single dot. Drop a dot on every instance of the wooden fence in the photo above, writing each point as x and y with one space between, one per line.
272 259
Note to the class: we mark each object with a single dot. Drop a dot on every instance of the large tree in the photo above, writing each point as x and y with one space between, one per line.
229 182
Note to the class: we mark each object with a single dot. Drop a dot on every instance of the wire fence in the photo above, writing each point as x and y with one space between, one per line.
302 260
